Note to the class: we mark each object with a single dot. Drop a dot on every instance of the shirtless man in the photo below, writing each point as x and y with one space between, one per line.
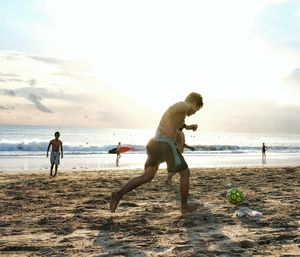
56 150
162 148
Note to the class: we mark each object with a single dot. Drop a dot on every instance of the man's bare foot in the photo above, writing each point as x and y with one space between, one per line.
114 201
188 208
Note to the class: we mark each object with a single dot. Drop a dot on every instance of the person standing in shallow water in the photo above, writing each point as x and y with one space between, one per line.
263 151
56 152
161 148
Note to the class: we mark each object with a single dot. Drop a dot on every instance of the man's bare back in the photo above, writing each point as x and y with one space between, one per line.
172 119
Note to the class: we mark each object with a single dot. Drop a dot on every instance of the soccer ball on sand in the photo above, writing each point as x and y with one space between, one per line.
235 196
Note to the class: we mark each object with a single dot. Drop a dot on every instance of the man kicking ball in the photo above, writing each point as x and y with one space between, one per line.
162 148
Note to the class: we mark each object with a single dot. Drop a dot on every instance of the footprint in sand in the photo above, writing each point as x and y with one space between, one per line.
128 204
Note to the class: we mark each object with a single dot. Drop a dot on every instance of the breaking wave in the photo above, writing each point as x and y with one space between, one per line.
39 148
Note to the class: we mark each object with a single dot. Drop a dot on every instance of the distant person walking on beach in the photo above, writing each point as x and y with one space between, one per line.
118 153
180 145
162 148
56 152
263 151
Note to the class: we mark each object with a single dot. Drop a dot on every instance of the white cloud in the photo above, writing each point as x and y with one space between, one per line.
246 115
122 63
69 95
294 77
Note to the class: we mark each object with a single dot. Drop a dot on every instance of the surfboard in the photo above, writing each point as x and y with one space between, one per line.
123 149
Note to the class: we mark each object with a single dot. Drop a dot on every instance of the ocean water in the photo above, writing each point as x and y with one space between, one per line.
23 148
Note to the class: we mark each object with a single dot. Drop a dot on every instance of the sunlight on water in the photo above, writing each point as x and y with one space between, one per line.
24 148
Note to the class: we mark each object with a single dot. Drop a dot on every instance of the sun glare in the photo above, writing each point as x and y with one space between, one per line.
210 47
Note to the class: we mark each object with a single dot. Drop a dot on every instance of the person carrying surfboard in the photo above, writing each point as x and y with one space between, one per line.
161 148
118 153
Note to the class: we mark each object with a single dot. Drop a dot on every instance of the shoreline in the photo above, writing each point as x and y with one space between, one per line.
69 214
135 170
11 164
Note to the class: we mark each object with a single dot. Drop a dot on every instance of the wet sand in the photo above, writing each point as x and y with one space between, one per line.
69 215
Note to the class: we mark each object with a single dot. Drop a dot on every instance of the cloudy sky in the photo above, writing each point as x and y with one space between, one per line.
122 63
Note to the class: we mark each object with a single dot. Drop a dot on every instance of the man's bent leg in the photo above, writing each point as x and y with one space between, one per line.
147 176
184 191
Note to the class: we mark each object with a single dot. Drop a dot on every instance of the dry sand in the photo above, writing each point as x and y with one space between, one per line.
69 215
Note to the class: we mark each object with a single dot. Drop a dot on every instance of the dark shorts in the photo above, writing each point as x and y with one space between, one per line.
162 149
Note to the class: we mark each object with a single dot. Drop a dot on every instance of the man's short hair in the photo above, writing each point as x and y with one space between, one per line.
195 97
56 133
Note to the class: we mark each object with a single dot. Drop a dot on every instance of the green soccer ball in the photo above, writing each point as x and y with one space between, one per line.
235 196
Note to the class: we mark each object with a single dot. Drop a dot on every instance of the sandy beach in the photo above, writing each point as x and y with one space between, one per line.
69 215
